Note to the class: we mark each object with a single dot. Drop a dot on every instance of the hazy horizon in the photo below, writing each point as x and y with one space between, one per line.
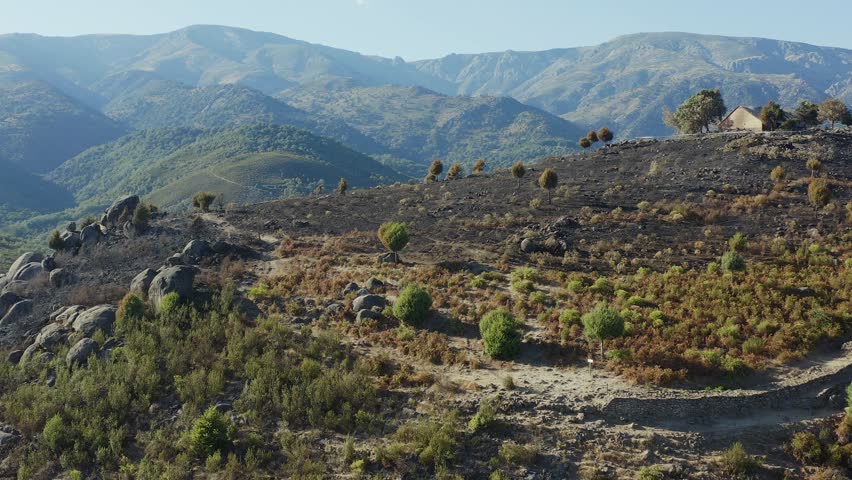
418 30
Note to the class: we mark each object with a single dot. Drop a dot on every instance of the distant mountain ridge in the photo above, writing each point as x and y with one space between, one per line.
624 83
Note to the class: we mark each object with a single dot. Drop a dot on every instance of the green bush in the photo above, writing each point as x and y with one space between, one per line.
131 311
602 323
394 235
806 448
516 454
736 461
570 317
501 334
413 305
651 473
210 433
55 242
169 304
203 200
485 415
54 435
738 242
733 262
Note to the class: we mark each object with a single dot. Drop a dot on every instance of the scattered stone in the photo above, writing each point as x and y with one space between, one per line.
142 281
196 250
80 352
71 240
48 264
528 246
60 277
24 259
301 223
90 235
350 287
14 356
67 317
177 279
334 309
6 301
223 407
29 272
15 314
96 318
176 260
390 257
374 285
367 302
362 291
51 335
366 315
8 439
121 207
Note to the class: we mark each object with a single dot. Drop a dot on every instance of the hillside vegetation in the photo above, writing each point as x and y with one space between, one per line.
418 125
247 163
41 127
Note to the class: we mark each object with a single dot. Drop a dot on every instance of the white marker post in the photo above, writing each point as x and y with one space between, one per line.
591 361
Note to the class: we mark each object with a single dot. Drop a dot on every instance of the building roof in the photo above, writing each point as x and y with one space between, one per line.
747 109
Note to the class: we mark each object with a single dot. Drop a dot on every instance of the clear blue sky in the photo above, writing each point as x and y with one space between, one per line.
416 29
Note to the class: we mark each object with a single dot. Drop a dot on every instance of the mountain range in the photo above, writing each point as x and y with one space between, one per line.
71 103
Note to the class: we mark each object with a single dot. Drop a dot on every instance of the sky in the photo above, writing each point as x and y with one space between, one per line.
418 29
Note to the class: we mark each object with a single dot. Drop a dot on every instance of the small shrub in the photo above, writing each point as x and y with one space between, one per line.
413 305
508 383
738 242
169 304
394 235
806 448
485 415
210 433
733 262
603 323
501 334
203 200
818 193
516 454
736 461
55 242
131 311
651 473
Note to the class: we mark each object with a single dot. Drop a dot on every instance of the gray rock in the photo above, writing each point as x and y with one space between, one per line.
96 318
122 206
130 230
48 264
177 279
142 282
60 277
71 227
14 356
365 315
71 240
18 287
529 246
3 280
80 352
90 235
350 287
17 313
28 354
67 317
374 285
6 301
334 309
196 250
51 335
8 439
367 302
29 272
362 291
25 258
390 257
176 260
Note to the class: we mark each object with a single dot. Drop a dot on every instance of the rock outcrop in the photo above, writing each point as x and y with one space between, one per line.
96 318
122 207
142 281
178 279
